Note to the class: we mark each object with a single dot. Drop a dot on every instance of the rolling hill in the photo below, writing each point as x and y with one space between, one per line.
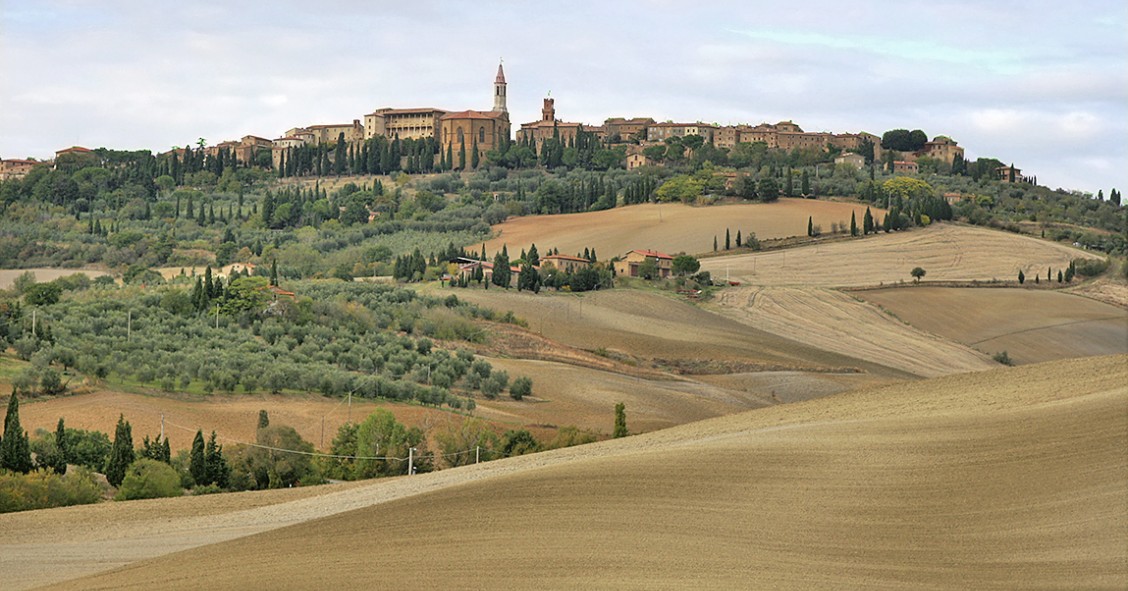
1012 478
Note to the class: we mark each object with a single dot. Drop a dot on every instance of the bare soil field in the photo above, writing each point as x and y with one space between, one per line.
44 274
1030 325
233 417
947 252
997 480
833 321
669 227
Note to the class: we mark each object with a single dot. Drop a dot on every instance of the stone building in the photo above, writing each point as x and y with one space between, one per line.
624 129
15 168
659 132
548 127
482 129
415 123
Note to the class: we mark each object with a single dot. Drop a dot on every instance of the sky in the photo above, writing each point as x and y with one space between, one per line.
1041 84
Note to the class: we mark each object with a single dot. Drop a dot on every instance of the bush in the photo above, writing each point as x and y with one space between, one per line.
1002 357
43 489
149 479
1090 267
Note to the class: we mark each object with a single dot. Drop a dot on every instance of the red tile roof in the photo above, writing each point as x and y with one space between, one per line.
565 257
471 114
411 111
73 149
653 253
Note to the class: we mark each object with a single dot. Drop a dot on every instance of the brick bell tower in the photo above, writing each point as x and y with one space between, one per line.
499 91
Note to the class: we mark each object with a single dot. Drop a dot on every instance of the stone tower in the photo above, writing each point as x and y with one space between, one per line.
548 111
499 91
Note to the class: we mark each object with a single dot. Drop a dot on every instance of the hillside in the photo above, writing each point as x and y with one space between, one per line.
669 227
1003 479
1031 325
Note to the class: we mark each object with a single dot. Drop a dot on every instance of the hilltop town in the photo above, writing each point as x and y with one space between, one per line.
444 139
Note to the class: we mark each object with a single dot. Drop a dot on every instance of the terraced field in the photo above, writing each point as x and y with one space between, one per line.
1012 478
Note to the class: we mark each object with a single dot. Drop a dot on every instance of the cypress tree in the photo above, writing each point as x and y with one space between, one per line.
462 155
728 240
810 226
197 464
867 222
620 421
473 151
217 470
121 453
62 448
853 224
714 244
15 453
263 419
738 239
274 272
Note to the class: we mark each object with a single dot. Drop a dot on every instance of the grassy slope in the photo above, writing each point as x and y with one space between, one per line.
1014 478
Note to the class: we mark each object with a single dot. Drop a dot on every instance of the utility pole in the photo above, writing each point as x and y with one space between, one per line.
477 451
410 461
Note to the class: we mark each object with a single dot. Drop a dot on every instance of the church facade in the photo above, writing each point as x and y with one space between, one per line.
464 131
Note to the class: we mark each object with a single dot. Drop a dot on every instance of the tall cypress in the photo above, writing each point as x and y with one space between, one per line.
15 453
121 453
62 448
197 464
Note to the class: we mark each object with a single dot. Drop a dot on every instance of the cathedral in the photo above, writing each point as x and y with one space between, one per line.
464 131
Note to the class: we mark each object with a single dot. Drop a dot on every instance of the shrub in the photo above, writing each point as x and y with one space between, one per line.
1090 267
1003 358
149 479
43 489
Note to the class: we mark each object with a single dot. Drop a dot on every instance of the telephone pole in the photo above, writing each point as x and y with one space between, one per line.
410 461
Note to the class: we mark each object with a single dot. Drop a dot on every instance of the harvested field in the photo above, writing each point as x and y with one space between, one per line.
44 274
1004 479
833 321
669 227
1030 325
657 329
946 252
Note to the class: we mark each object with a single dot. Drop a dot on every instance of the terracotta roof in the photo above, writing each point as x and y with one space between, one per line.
412 110
471 114
19 161
73 149
653 253
682 125
565 257
329 125
549 124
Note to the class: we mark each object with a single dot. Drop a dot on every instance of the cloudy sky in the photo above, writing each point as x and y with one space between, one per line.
1042 84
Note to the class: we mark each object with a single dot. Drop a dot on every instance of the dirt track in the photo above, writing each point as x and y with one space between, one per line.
1004 479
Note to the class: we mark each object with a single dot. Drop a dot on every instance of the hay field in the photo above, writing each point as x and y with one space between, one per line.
669 227
44 274
1031 325
833 321
996 480
947 252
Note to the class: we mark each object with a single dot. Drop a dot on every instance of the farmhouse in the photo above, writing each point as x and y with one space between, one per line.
565 263
628 265
857 161
905 167
15 169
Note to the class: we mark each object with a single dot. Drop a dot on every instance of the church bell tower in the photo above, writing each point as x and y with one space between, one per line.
499 91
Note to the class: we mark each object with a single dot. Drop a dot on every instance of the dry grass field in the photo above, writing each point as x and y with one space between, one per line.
1010 479
946 252
43 275
1031 325
669 227
833 321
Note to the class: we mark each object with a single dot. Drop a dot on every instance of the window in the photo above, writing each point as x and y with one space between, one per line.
481 135
461 139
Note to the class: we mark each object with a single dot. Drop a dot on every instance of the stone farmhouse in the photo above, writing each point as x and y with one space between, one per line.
628 265
565 263
16 168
